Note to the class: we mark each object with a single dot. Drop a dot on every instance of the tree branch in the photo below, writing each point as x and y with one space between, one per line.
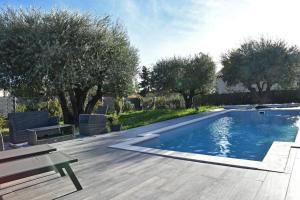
91 104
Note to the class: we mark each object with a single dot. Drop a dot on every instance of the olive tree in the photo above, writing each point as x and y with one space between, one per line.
259 65
76 57
187 76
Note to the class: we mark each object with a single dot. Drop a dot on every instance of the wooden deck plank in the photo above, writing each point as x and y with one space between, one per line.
274 187
293 192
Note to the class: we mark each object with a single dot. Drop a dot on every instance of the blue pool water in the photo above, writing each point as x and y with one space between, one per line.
236 134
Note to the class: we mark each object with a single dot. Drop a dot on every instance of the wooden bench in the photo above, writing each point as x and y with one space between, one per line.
50 134
22 168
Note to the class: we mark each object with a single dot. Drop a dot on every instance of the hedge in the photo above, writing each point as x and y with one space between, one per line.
282 96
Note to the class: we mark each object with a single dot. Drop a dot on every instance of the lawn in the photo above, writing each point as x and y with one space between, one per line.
145 117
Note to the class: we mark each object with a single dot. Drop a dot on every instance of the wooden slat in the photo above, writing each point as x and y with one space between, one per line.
25 152
30 166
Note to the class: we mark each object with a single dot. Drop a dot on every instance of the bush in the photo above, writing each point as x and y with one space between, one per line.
52 106
163 102
147 103
128 106
21 107
118 104
3 122
281 96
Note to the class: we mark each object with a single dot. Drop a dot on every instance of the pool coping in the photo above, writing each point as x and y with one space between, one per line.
275 160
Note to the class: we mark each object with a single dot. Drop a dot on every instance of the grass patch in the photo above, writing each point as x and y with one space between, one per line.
146 117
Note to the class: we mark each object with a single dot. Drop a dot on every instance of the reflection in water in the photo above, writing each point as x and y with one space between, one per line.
297 122
246 134
220 134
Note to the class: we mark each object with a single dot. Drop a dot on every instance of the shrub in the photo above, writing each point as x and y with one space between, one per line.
54 108
118 104
3 122
21 107
128 106
162 102
276 96
147 103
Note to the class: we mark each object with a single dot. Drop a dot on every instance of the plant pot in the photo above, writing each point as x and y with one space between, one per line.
116 127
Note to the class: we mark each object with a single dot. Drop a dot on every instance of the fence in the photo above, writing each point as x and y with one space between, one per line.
284 96
7 105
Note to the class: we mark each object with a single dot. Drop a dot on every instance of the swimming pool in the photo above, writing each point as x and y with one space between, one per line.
237 134
253 139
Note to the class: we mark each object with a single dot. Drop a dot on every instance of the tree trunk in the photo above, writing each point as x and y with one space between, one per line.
260 89
77 97
91 104
189 99
67 115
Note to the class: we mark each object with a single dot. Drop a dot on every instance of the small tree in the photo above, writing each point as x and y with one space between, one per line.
188 76
144 85
258 65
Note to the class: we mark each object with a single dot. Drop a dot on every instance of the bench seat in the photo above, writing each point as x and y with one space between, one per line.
22 168
15 154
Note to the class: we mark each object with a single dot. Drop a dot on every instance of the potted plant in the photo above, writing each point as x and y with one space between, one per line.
115 124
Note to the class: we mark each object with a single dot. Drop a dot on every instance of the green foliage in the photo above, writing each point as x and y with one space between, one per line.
145 84
188 76
3 122
21 107
75 57
54 108
114 119
161 102
261 63
118 105
148 103
171 101
146 117
128 107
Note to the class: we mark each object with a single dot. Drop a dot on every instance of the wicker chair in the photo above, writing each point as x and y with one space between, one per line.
20 122
92 124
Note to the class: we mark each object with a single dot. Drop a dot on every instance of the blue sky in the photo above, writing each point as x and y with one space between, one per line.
163 28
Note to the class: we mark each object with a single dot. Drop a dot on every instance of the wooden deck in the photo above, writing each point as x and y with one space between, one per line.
107 173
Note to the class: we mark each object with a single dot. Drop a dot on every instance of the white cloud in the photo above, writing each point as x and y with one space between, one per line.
211 26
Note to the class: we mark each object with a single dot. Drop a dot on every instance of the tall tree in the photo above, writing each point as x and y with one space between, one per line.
75 57
144 85
188 76
258 65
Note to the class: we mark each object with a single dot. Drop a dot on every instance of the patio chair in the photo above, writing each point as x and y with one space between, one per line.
22 168
20 122
92 124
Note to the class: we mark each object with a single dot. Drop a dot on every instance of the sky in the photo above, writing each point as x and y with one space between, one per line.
165 28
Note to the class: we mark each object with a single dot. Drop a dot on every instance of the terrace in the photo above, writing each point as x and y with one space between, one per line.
107 173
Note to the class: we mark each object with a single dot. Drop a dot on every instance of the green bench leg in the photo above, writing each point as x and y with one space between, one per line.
60 171
73 177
